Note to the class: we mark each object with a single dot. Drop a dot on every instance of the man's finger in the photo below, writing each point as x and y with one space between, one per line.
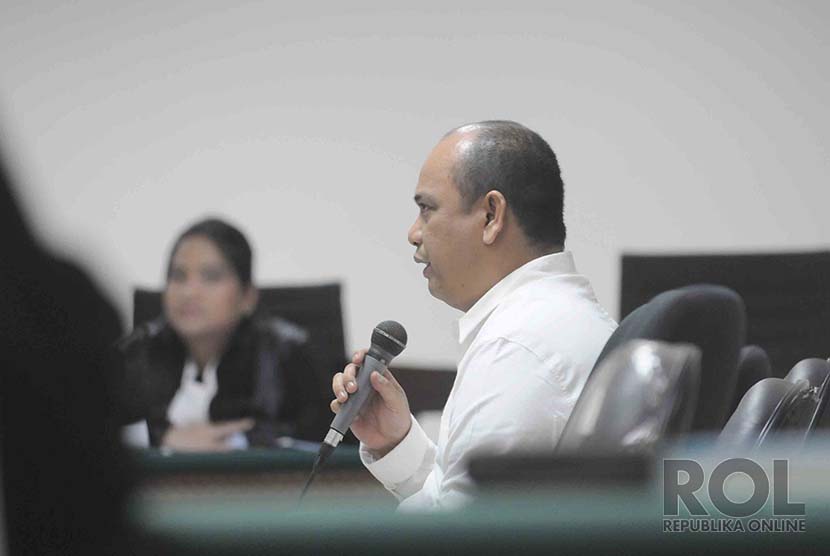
335 406
358 356
349 372
338 388
349 380
388 375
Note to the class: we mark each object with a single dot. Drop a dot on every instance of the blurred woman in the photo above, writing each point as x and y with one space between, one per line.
211 376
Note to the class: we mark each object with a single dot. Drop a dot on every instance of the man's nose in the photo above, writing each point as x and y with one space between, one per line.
414 235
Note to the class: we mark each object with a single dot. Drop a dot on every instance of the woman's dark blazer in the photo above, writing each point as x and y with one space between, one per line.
267 373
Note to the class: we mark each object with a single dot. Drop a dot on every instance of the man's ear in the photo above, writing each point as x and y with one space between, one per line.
495 207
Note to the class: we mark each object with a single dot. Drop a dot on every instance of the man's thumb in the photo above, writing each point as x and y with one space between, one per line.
384 386
390 391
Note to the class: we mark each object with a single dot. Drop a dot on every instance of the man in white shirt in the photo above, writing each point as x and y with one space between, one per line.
491 233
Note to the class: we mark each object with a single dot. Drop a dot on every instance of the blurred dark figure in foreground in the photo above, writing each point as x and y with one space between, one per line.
64 479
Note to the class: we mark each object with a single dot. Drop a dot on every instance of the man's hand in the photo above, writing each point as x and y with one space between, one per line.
204 437
384 421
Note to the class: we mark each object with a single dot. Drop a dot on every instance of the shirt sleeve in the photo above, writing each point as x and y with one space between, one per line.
405 468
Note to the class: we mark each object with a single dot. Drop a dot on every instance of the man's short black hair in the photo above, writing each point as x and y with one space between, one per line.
508 157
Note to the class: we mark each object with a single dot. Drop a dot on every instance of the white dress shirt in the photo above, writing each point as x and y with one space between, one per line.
191 404
531 342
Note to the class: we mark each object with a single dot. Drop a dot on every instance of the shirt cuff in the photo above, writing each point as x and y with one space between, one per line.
402 461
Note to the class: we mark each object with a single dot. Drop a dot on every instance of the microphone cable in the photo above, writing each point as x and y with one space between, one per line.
325 451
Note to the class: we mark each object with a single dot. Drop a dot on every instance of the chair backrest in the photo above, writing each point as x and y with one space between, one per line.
709 317
786 295
753 366
813 370
641 393
816 372
315 308
769 407
822 417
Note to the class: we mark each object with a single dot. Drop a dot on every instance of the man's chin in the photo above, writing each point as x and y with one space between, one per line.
431 288
435 290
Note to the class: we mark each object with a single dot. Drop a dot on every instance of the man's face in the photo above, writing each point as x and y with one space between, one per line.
447 238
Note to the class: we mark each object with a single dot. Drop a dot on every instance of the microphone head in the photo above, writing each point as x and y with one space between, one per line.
390 337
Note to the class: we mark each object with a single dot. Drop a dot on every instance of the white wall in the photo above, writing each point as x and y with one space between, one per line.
679 126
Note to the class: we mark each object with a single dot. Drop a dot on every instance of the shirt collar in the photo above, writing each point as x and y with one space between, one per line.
190 371
544 266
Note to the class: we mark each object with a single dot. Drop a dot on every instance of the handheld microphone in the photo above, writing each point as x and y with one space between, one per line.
388 341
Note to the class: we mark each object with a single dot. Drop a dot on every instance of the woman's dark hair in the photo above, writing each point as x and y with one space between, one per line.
231 243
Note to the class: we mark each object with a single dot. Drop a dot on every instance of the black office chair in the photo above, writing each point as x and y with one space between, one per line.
786 294
640 394
769 408
822 420
816 372
753 366
709 317
315 308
